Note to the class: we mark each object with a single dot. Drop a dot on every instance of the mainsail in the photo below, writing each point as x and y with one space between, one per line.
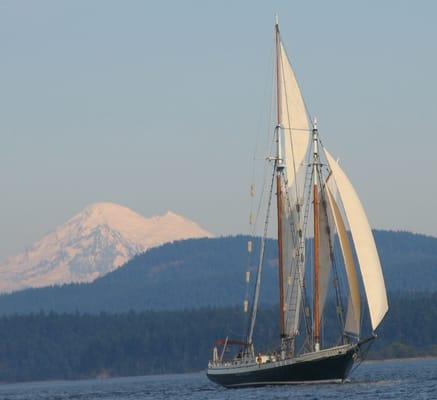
293 123
293 120
365 247
293 272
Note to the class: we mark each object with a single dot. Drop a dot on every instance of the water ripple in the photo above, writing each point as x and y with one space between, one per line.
396 379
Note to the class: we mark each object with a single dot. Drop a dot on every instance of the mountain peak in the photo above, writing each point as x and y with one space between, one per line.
103 207
106 212
97 240
171 214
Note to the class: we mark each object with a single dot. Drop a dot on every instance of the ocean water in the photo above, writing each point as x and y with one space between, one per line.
397 379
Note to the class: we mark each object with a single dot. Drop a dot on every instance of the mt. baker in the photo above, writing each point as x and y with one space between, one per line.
94 242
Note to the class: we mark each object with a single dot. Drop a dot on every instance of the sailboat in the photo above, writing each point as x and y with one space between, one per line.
323 235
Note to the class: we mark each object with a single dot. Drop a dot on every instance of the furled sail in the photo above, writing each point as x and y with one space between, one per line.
365 247
353 314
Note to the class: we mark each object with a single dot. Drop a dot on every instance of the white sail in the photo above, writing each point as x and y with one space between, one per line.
293 278
293 120
365 247
294 125
353 314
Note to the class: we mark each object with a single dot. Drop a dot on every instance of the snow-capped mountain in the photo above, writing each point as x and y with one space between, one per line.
94 242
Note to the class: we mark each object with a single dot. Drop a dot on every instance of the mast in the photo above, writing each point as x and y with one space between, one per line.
316 316
279 168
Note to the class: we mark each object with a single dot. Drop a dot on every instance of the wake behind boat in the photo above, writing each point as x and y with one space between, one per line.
323 235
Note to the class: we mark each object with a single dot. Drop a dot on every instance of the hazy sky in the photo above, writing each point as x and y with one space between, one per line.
157 105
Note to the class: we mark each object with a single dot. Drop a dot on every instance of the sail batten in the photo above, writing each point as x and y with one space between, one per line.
364 243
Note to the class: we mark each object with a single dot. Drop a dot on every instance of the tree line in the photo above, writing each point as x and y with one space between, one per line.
43 346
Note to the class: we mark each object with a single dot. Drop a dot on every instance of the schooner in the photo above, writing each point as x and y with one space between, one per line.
317 210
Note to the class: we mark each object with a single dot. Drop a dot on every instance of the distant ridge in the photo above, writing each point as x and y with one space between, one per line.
199 273
94 242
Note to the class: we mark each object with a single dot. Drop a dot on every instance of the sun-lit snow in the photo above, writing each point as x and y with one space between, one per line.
94 242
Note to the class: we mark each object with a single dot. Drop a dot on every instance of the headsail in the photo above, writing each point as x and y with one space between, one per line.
353 315
365 247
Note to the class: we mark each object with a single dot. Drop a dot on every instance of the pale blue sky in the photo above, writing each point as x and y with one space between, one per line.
156 106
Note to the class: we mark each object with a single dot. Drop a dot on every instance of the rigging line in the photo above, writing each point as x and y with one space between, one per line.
308 179
260 203
257 138
263 186
270 119
271 135
261 261
253 223
269 148
363 356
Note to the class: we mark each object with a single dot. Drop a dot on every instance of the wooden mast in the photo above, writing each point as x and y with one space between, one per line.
279 168
280 256
316 316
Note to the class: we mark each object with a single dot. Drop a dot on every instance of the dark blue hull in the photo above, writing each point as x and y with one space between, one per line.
332 368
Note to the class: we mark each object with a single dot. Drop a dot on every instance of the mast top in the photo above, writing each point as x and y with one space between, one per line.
276 20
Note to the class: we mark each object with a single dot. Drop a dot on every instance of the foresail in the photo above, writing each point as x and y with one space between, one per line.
325 257
293 120
365 247
353 314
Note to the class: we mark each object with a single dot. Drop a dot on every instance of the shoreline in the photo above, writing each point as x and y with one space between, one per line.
412 358
157 376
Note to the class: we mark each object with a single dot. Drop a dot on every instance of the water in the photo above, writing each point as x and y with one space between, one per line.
398 379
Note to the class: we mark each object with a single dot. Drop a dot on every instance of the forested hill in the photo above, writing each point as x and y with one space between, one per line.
70 346
210 272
